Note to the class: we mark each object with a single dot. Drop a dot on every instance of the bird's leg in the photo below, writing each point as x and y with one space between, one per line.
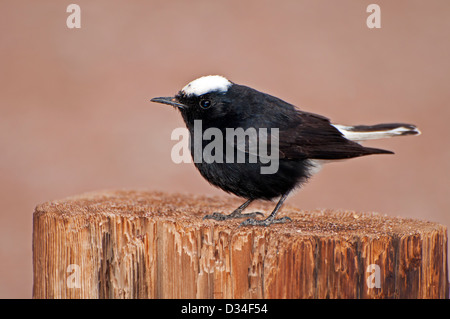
271 219
237 213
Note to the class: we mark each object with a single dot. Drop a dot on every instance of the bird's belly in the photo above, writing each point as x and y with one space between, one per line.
246 180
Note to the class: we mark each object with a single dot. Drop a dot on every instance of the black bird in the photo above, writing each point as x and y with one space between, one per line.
305 141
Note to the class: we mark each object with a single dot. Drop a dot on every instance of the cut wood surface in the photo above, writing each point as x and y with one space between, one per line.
138 244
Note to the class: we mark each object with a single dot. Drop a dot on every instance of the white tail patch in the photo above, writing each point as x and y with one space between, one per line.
364 133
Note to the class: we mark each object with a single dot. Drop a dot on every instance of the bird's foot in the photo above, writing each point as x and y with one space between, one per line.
234 215
265 222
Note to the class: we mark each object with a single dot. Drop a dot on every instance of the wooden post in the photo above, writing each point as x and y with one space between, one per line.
133 244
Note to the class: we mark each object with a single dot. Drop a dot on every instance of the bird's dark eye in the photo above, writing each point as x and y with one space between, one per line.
205 103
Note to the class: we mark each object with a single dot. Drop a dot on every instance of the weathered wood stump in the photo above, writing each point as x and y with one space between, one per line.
132 244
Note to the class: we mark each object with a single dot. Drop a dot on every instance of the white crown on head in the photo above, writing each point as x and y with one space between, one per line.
207 84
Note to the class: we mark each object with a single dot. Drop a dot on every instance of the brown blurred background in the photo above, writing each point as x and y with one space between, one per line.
75 114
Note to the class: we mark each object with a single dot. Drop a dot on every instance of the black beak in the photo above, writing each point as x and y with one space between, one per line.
169 100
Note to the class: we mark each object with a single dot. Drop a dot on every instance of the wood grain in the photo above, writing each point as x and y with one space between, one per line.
138 244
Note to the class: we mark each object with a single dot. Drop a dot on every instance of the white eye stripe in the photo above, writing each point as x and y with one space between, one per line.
207 84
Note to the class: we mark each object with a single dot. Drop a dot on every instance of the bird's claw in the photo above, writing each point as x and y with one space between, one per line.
233 215
216 216
265 222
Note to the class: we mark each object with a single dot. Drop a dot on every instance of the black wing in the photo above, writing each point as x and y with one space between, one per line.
302 135
308 135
